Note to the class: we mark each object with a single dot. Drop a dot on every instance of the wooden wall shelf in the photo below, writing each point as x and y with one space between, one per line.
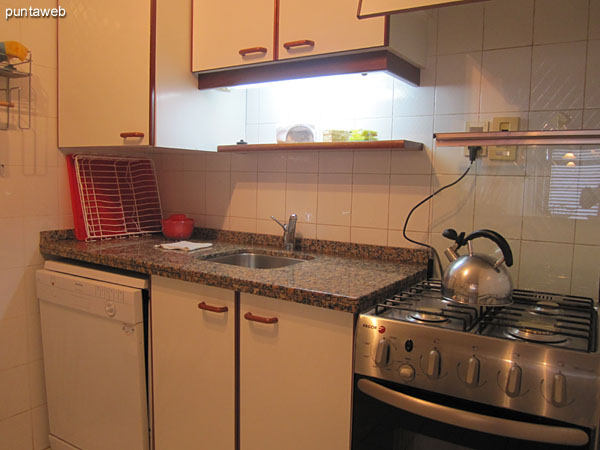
314 146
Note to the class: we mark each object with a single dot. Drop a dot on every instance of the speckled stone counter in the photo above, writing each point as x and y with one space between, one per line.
341 276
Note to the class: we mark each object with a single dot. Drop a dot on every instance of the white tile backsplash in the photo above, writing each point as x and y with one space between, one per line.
508 23
499 204
592 84
560 21
458 83
557 76
546 266
460 29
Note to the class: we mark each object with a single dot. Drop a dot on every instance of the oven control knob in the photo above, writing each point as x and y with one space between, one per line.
433 364
472 377
513 381
559 389
407 372
382 355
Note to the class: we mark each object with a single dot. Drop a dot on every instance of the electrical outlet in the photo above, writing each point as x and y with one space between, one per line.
476 127
507 152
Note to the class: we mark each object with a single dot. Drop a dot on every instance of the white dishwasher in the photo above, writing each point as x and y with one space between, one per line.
94 343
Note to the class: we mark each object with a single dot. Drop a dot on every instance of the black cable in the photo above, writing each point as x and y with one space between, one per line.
472 156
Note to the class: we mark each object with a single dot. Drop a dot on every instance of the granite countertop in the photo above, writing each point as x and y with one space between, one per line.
341 276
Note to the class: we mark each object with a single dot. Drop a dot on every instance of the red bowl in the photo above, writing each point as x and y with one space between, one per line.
177 226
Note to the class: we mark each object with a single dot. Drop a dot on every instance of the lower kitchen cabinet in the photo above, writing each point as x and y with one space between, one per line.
193 353
295 376
294 371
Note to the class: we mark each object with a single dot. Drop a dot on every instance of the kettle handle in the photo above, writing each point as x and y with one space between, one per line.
498 239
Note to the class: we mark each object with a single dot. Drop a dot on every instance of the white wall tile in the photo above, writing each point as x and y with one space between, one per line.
372 161
416 101
41 428
334 199
568 119
333 233
499 204
336 161
268 227
546 266
560 21
244 162
16 432
591 119
540 222
587 231
243 194
12 251
460 29
369 236
14 391
272 161
218 162
453 208
270 200
585 271
13 342
406 191
303 162
301 196
252 105
243 224
396 239
192 193
458 83
592 84
370 201
306 230
418 129
451 160
13 293
594 20
34 338
507 23
218 193
557 78
505 80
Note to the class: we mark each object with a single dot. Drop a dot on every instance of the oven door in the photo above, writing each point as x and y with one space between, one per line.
388 416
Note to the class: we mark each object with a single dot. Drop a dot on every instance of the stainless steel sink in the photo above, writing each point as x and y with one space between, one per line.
255 260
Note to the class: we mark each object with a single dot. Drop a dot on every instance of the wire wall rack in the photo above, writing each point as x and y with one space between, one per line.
10 96
113 197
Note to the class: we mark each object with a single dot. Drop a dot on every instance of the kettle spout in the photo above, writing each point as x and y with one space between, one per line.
451 254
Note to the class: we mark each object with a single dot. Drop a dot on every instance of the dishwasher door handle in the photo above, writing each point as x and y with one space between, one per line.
473 421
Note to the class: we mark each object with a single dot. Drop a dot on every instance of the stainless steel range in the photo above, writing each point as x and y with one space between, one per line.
527 373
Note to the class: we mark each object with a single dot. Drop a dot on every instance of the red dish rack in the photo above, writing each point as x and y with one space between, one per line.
113 196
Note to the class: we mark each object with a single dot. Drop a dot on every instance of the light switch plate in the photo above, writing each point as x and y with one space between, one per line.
508 152
477 127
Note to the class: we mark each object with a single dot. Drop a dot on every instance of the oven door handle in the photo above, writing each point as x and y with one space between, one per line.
473 421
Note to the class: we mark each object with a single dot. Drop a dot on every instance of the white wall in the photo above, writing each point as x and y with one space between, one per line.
538 61
33 197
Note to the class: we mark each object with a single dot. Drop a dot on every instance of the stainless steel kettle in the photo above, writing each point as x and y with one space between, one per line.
477 279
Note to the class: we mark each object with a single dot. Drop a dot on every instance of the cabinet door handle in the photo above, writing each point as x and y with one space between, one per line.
217 309
300 43
132 134
253 318
7 104
248 51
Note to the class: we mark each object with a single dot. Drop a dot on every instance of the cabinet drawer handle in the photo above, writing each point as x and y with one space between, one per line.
217 309
248 51
253 318
7 104
131 134
299 43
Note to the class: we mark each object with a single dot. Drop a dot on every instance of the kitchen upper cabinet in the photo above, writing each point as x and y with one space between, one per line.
373 8
193 365
229 40
232 33
104 73
296 375
315 27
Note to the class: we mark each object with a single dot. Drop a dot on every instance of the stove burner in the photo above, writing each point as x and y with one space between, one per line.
546 308
536 333
430 317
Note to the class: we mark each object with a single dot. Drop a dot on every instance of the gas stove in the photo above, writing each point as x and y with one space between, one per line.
536 356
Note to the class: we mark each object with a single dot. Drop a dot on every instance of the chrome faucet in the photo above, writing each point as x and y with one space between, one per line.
289 232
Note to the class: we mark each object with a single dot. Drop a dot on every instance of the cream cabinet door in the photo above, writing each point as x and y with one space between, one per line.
103 72
222 29
328 26
295 376
193 365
